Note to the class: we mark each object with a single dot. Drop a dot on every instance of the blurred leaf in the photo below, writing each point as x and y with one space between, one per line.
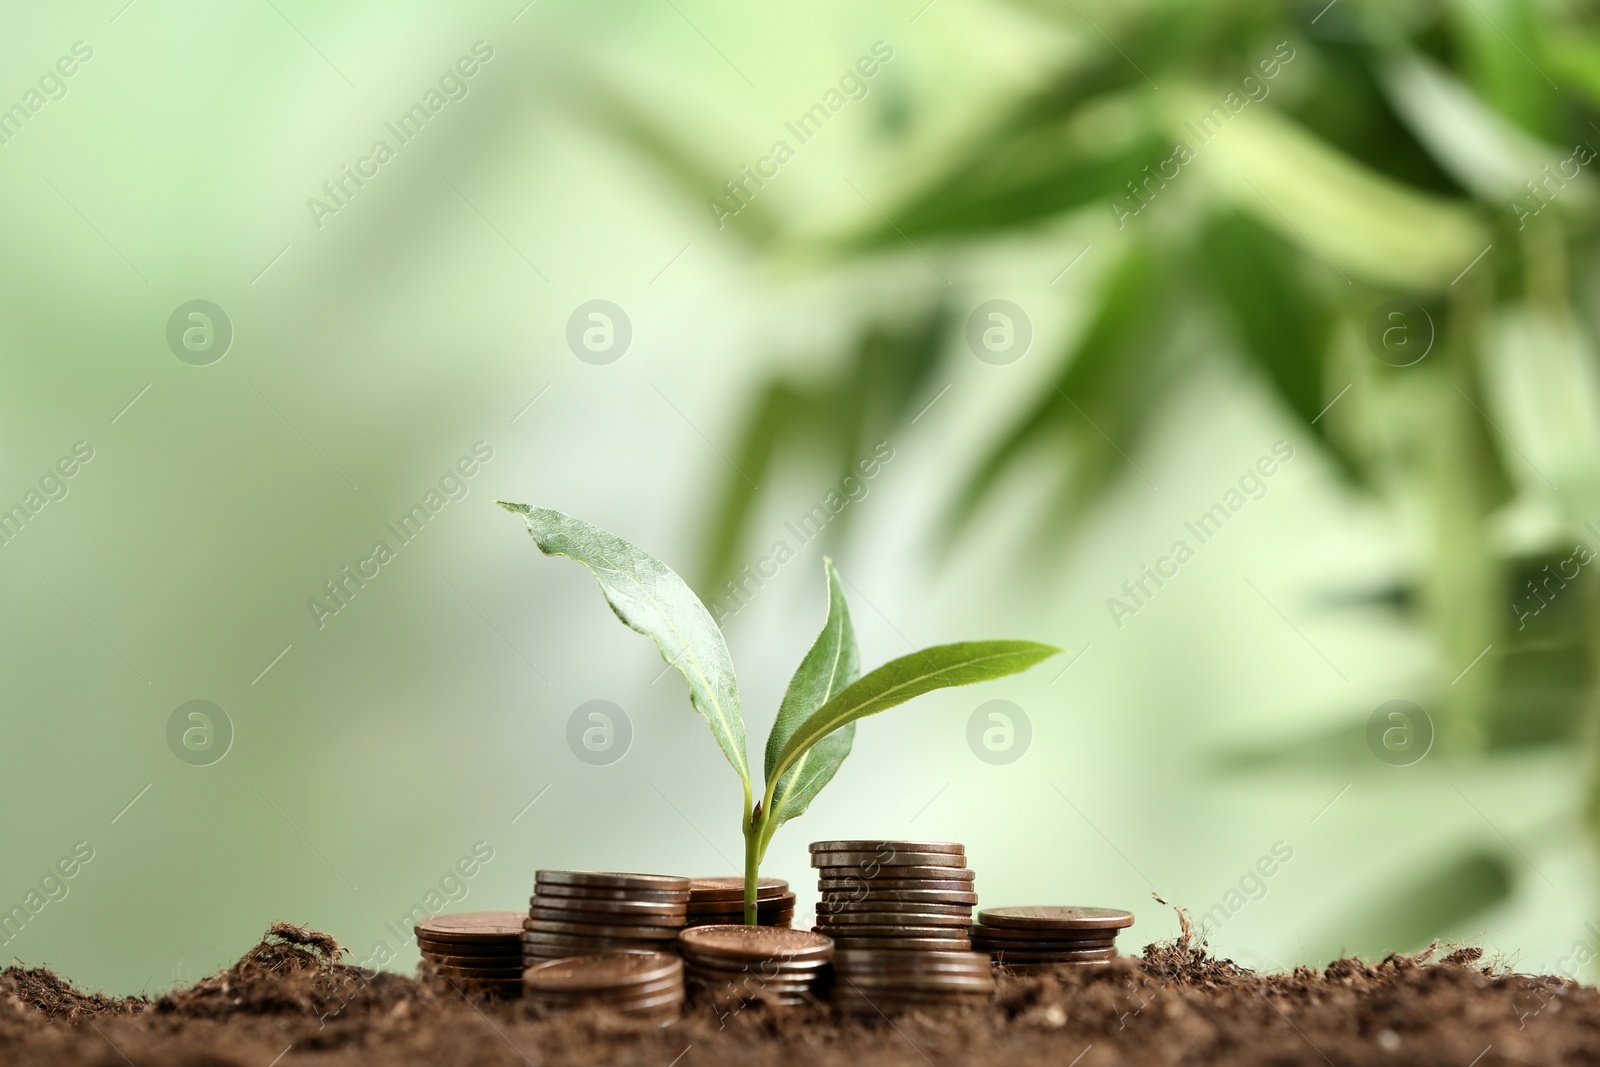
1500 52
1482 150
1362 224
1098 406
832 664
1283 325
840 416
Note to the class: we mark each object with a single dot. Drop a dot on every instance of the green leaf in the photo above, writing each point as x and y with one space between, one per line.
831 665
649 597
899 680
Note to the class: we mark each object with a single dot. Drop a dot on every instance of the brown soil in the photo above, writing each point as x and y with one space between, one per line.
290 1002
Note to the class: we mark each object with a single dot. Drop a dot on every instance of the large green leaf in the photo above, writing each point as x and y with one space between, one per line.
899 680
649 597
832 664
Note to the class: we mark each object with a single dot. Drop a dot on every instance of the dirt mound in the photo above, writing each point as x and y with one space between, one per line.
292 1000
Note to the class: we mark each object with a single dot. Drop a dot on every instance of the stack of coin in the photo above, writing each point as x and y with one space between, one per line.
737 963
872 981
720 901
636 983
1036 940
586 913
476 951
902 895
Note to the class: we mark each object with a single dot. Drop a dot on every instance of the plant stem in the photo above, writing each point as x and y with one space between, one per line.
752 867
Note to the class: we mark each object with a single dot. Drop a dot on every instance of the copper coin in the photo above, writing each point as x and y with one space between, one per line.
916 875
901 944
613 880
513 959
890 918
1028 969
470 926
870 961
849 905
1057 918
586 918
670 983
1025 955
505 974
588 946
878 860
731 887
1051 948
894 928
951 847
1091 939
766 968
603 972
1039 933
933 981
609 907
631 932
754 943
498 947
734 918
777 900
584 892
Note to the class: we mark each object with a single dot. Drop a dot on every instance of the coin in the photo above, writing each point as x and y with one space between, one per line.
508 972
470 926
754 943
731 887
1025 955
892 846
1057 918
844 905
584 892
989 945
763 968
882 918
904 944
604 972
872 961
498 947
609 907
511 959
613 880
560 915
875 860
630 932
913 981
915 875
586 946
893 930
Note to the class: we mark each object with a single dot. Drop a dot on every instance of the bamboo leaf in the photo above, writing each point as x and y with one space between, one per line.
899 680
649 597
832 664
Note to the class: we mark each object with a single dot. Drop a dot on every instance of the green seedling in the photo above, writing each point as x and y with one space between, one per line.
816 720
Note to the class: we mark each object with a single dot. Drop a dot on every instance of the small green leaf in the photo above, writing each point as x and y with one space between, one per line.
909 676
831 665
649 597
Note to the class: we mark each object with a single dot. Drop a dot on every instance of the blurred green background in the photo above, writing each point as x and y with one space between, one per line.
1361 234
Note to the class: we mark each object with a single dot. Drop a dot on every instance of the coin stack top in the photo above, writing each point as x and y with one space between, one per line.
717 901
585 913
868 982
1038 939
894 895
475 951
733 963
649 984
